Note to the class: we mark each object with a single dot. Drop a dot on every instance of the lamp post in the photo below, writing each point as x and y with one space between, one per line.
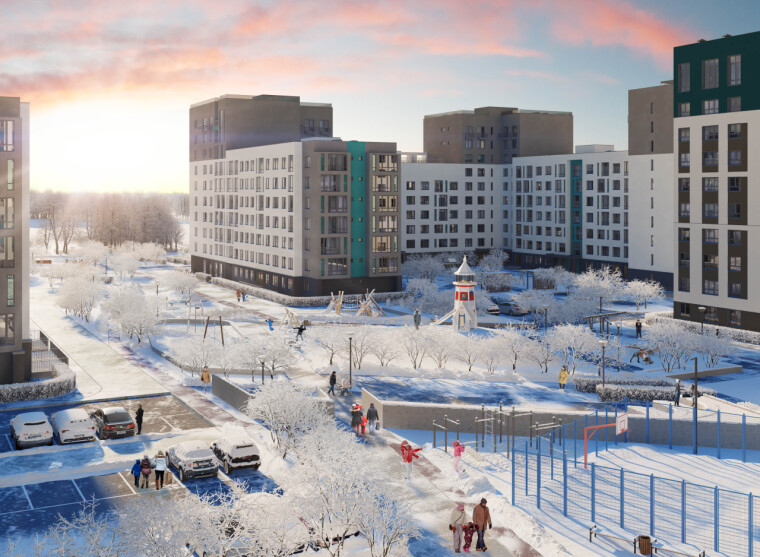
604 345
702 310
350 361
546 320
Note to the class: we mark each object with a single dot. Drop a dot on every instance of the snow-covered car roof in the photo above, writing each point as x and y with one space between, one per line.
31 417
114 410
71 415
194 449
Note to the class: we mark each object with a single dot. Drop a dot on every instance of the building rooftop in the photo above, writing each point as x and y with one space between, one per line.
290 98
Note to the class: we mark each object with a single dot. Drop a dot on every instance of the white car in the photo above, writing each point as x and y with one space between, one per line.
73 426
31 429
240 452
192 459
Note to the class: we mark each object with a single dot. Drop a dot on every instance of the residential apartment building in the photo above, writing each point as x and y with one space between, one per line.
716 108
494 135
651 193
449 207
305 216
15 348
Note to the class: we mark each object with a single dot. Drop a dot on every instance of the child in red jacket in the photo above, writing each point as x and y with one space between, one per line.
469 530
408 454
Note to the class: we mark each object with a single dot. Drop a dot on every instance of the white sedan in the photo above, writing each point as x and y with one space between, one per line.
73 426
31 429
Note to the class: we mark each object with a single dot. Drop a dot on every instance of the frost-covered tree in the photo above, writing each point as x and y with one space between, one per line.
491 351
641 291
606 281
441 344
572 343
671 343
362 342
248 354
386 345
182 283
287 411
427 267
192 355
491 271
415 346
713 348
277 357
425 295
466 350
79 295
513 346
124 264
386 522
133 311
87 534
534 301
333 340
90 252
539 350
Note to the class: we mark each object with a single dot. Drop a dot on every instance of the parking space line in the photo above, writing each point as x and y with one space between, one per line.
167 423
126 482
10 444
65 504
27 497
79 491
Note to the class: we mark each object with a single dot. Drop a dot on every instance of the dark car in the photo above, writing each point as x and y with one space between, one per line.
113 422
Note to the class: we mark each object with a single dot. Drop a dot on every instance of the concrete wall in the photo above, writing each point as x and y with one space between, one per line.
237 397
650 120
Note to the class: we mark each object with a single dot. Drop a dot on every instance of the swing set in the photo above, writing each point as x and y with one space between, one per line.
620 425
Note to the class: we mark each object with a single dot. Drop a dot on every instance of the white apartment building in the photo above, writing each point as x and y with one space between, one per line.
450 207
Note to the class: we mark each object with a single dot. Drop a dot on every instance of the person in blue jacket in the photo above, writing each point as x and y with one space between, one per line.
136 471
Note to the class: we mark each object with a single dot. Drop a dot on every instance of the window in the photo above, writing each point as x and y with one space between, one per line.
734 184
683 284
709 184
710 73
684 77
710 158
684 309
410 185
6 136
425 185
709 132
683 184
410 244
7 328
734 158
684 109
684 210
710 210
734 317
734 290
711 315
734 104
410 215
410 229
11 172
710 106
11 291
7 252
735 70
684 234
734 131
337 266
710 287
685 160
734 237
734 211
684 259
7 213
734 263
710 236
684 135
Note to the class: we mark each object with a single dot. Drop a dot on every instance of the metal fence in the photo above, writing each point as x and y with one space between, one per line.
675 511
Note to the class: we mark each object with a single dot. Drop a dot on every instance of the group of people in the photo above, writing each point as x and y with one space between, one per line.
142 470
360 422
462 528
241 294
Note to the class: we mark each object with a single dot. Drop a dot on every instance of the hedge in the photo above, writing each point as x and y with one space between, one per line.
617 393
588 384
63 383
739 335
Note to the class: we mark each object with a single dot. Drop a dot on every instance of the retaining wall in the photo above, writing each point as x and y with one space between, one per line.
237 397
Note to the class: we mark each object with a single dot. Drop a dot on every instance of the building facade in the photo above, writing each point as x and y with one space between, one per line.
716 112
305 215
15 348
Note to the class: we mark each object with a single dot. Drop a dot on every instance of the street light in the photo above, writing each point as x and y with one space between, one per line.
694 404
350 361
546 312
702 310
604 345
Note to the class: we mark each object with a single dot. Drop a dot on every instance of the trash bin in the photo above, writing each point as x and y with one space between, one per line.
645 545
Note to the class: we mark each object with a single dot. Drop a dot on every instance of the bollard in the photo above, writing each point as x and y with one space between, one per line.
622 498
750 530
651 504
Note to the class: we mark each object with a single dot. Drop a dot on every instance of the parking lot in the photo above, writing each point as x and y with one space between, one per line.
32 508
162 414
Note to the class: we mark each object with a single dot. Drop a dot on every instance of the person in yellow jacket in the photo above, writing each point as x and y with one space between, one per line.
563 374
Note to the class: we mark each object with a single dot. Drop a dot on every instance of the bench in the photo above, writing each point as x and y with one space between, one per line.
656 547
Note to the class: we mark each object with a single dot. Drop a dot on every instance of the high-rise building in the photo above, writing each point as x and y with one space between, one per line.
494 135
651 197
291 208
15 348
716 107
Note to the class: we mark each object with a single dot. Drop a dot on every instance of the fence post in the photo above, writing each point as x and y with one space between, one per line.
683 511
575 444
562 439
513 429
751 534
538 476
647 403
434 434
616 422
593 492
744 437
494 431
694 448
717 444
622 498
526 468
476 434
531 428
551 456
651 504
514 466
564 481
606 429
596 437
446 433
716 518
670 426
500 432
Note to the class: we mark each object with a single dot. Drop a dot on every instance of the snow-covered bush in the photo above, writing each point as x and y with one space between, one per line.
63 382
534 301
491 273
617 393
739 335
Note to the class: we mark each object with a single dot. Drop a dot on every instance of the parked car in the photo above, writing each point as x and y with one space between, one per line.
493 309
113 422
192 459
31 429
73 426
511 308
240 452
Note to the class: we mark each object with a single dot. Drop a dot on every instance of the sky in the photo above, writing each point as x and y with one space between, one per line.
110 82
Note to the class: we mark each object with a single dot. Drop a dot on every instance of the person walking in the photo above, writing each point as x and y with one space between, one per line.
417 318
301 328
137 472
468 529
333 381
356 418
145 470
139 418
408 454
678 393
205 378
481 517
160 465
270 323
237 293
638 328
458 452
455 525
243 295
372 417
563 374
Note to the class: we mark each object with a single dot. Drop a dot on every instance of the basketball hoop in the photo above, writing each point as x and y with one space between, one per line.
621 424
